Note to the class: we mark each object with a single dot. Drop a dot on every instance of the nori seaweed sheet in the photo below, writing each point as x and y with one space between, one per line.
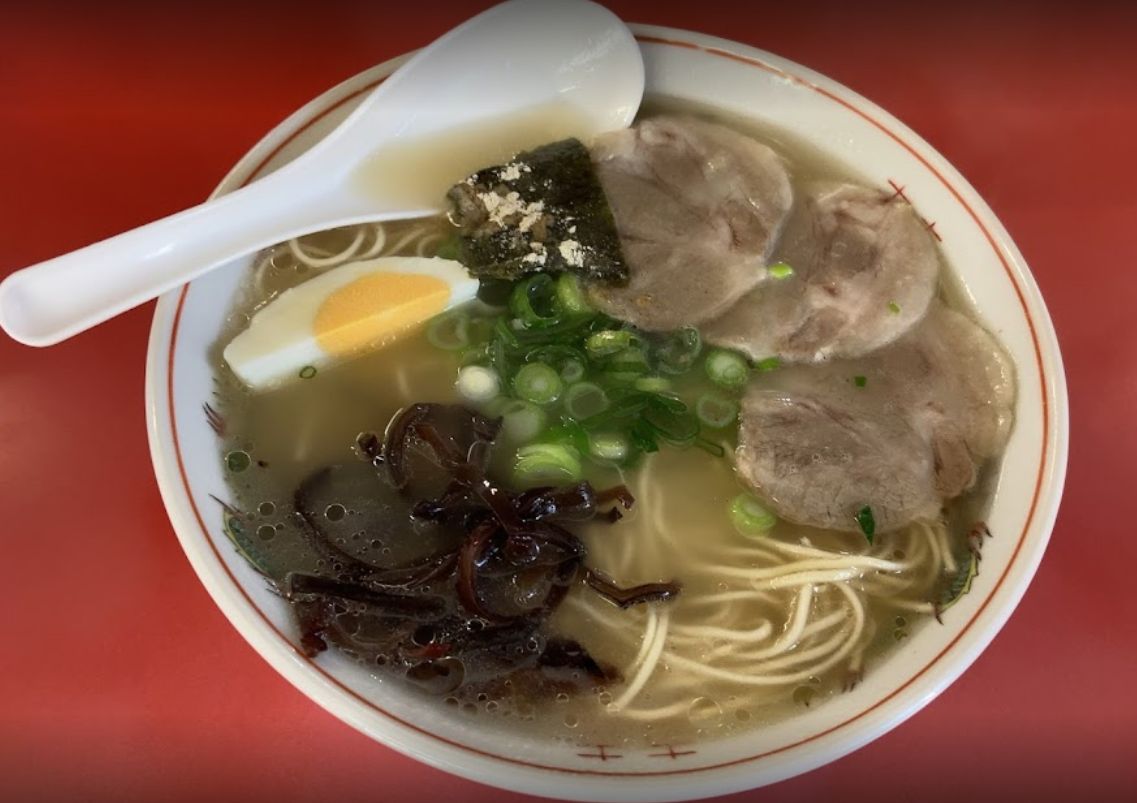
559 201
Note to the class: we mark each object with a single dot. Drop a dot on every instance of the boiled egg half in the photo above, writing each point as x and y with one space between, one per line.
343 312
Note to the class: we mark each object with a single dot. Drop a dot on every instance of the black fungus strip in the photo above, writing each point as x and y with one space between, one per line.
603 585
418 574
578 503
314 535
391 604
396 442
472 553
445 606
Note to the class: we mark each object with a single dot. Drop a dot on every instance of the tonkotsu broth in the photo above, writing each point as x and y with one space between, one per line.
731 616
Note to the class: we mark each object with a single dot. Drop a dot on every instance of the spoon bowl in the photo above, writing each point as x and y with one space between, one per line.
552 69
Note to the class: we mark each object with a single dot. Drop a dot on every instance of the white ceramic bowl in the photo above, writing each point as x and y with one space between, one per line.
749 83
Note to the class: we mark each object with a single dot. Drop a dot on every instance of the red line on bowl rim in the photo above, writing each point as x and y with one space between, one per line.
751 61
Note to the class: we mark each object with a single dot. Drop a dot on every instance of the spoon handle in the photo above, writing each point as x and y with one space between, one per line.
61 297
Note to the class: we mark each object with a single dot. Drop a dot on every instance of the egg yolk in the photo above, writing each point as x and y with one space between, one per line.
375 309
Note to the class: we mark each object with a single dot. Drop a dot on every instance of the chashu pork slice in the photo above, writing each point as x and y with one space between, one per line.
865 269
901 431
698 207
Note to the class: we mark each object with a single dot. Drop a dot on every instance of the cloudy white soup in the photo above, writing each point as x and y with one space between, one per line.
650 439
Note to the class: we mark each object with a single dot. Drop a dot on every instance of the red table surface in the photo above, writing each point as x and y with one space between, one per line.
120 680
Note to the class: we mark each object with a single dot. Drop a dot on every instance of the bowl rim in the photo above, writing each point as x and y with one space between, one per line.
517 774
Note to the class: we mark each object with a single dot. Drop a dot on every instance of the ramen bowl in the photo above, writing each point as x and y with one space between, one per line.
749 85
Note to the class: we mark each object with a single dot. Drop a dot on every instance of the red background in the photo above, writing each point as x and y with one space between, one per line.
118 677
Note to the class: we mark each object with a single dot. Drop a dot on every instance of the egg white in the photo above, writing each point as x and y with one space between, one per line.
281 340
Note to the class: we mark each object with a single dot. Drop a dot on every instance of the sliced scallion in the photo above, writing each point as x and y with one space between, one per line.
584 400
653 384
572 370
673 426
567 360
710 447
608 342
677 351
630 361
643 436
570 295
475 355
448 248
716 411
567 433
522 421
867 522
749 517
449 332
727 368
781 270
477 384
537 382
608 446
768 364
532 302
547 463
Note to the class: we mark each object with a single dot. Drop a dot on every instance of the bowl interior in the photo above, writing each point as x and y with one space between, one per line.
771 91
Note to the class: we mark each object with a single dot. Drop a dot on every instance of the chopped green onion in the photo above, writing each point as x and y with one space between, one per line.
538 383
608 342
449 332
608 446
631 362
499 357
480 328
531 302
568 361
668 401
893 307
570 295
475 355
477 385
749 517
866 522
547 463
677 352
860 381
448 248
653 384
558 332
625 406
505 333
572 370
643 436
584 400
781 270
567 433
307 372
727 368
768 364
716 410
522 421
710 447
675 427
